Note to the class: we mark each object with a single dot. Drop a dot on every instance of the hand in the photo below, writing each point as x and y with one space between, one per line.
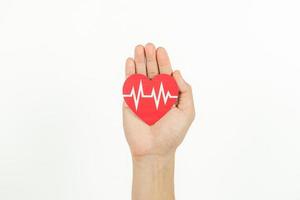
164 136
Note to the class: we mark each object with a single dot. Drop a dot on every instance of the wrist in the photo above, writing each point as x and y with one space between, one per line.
153 175
158 162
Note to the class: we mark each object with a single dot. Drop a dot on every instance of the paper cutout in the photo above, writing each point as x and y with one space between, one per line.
150 99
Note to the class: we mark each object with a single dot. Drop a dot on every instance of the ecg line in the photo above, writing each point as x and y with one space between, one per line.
140 94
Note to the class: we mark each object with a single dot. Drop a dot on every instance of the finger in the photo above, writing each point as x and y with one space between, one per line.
129 70
129 67
163 60
185 101
139 58
182 84
152 68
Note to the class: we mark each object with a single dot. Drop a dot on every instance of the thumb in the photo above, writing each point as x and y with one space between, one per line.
182 84
185 96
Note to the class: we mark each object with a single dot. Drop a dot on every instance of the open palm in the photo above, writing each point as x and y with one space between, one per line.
166 134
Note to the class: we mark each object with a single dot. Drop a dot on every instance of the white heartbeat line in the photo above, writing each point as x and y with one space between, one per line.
140 94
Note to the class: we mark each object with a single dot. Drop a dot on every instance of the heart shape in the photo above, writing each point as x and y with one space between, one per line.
150 99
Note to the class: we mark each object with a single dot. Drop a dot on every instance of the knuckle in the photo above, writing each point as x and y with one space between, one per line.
152 73
128 74
188 87
193 114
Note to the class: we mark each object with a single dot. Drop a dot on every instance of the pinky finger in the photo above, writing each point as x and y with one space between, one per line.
129 70
129 67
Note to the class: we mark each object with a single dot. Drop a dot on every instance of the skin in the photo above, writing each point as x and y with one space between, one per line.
153 147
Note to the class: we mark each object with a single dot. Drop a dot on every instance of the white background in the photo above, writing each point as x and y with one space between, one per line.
61 74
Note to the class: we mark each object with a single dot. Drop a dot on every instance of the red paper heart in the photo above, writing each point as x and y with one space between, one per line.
150 99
